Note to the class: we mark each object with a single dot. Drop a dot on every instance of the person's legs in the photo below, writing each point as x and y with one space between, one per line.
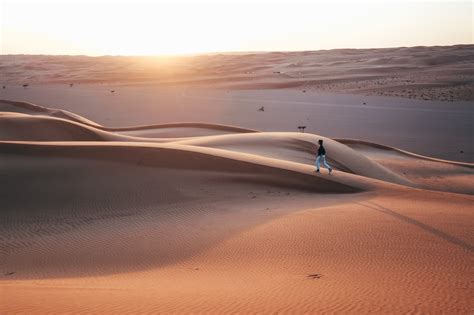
326 164
318 161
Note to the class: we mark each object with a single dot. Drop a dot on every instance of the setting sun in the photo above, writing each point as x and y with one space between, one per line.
183 27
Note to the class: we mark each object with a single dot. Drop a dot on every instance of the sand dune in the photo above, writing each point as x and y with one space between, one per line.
157 184
376 161
41 128
412 125
33 109
426 172
23 127
203 218
427 73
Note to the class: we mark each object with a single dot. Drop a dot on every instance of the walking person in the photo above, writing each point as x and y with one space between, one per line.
322 156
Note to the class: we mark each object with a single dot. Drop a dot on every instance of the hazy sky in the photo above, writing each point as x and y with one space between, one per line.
103 27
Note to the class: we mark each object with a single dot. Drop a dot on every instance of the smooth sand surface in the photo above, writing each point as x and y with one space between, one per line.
438 129
203 218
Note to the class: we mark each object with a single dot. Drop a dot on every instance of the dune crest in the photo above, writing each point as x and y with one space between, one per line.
237 142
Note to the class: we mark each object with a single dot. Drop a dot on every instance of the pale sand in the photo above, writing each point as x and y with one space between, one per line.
202 218
438 129
427 73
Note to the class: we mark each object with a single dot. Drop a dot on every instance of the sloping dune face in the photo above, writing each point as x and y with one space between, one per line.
22 127
200 218
168 187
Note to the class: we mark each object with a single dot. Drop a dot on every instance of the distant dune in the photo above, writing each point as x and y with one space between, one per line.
208 218
442 73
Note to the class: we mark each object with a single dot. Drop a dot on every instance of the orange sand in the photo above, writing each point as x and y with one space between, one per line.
228 220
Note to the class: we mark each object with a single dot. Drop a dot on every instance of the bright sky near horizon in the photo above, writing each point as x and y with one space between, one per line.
127 27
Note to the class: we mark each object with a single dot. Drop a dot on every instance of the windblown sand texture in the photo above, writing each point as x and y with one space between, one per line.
444 73
207 218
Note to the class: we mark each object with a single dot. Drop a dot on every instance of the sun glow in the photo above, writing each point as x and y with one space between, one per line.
181 27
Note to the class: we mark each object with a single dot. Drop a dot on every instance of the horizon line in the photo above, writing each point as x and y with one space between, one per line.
230 52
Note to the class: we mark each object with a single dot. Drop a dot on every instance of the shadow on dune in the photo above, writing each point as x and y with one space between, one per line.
88 217
433 231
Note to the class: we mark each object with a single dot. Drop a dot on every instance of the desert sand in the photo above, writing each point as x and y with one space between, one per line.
110 220
442 73
414 98
174 194
433 128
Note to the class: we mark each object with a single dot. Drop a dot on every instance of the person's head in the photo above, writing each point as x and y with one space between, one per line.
320 141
